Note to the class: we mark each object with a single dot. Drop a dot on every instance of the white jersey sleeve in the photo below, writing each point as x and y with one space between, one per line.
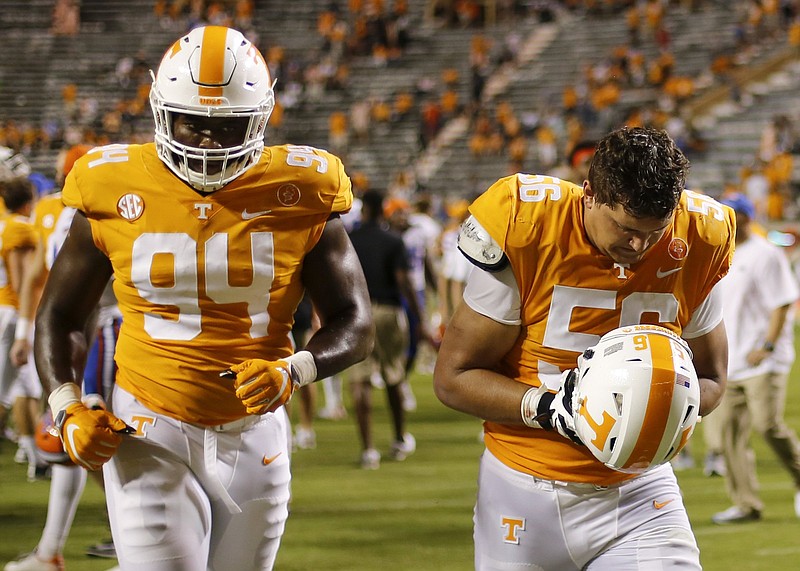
706 317
494 294
59 234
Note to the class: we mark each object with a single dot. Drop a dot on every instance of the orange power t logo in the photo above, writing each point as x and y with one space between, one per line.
140 423
601 430
512 526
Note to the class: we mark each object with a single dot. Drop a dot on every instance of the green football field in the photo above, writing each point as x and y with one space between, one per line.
417 514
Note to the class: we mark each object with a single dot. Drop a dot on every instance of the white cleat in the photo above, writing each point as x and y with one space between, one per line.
31 562
402 450
370 459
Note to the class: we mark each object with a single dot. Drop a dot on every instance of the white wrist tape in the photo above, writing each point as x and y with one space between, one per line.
302 367
23 330
529 406
63 396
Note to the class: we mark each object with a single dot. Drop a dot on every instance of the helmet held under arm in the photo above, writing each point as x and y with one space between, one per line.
637 397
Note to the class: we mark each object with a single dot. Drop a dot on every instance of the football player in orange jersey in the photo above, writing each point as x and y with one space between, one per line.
17 388
51 221
212 239
45 215
12 164
557 265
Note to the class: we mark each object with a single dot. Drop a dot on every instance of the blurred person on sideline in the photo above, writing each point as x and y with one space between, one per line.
397 212
12 165
19 389
557 266
212 239
305 437
454 268
758 295
384 259
51 221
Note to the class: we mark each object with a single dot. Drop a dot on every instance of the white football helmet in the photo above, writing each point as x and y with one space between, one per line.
13 164
636 398
212 71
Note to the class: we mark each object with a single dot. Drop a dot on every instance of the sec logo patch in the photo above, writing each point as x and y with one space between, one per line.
288 195
130 206
678 249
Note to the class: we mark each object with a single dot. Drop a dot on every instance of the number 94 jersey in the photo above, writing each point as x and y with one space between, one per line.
571 294
204 282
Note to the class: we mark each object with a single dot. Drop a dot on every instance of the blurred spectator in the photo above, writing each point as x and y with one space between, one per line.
545 145
360 119
338 134
403 185
777 137
403 105
486 139
384 259
450 104
305 438
244 12
758 297
431 122
398 213
66 18
633 21
455 267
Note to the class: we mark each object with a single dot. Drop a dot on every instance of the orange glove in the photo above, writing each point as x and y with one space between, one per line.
90 436
263 386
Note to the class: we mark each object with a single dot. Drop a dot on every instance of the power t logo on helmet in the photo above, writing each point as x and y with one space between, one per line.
212 72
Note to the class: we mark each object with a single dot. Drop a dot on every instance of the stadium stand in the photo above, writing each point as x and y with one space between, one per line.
57 89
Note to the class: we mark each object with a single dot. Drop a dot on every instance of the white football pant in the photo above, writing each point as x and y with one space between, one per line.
186 498
522 522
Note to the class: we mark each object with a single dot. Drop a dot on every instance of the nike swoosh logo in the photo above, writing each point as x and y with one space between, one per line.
662 274
71 429
658 505
250 215
267 460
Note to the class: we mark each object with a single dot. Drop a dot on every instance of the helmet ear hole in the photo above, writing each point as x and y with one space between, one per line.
619 399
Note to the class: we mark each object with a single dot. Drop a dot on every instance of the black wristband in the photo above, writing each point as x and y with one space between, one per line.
768 346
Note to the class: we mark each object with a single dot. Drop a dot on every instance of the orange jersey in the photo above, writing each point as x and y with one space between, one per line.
15 232
204 282
45 216
571 294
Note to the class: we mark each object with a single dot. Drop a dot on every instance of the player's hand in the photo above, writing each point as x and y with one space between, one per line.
564 407
19 352
263 386
542 408
91 436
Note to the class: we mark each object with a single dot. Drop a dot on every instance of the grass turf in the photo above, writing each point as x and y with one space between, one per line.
417 514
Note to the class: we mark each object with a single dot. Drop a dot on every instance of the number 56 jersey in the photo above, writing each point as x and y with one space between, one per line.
571 294
204 281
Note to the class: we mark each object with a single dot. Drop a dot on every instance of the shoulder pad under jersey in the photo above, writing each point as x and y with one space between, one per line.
480 248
